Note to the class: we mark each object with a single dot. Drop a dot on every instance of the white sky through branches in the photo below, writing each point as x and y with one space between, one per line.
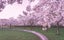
13 10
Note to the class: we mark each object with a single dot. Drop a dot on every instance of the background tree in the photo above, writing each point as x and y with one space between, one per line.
12 22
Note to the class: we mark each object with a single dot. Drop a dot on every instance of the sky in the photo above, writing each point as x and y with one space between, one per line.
15 9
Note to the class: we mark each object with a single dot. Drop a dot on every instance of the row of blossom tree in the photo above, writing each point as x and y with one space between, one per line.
45 13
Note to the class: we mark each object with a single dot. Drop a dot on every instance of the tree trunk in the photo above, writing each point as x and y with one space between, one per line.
58 32
58 26
10 26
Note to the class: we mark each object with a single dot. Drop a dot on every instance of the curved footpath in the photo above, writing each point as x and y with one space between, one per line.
41 36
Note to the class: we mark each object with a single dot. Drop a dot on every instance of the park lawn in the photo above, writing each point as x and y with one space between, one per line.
16 35
50 33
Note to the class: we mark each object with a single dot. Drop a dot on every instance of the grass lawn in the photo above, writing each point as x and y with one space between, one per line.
15 35
51 33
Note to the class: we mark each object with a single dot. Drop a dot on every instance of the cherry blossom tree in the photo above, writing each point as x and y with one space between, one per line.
4 23
2 5
46 13
31 0
51 12
19 1
12 22
28 8
21 20
10 1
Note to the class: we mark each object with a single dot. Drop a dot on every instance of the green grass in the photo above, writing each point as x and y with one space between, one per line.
16 35
50 33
